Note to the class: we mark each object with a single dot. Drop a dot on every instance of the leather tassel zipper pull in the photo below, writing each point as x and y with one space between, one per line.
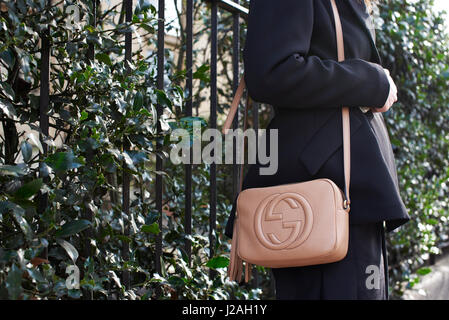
235 267
248 267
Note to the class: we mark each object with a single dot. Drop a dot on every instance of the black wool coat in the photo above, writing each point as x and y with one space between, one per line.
291 63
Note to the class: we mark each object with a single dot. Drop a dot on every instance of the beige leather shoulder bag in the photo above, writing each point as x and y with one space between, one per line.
295 224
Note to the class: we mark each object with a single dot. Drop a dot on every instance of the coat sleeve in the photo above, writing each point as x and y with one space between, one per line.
279 71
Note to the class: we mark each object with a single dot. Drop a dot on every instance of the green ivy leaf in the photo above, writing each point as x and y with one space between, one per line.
103 57
18 214
138 100
152 228
10 170
36 275
141 6
121 237
14 282
61 79
27 151
72 227
162 98
176 282
74 293
187 122
8 109
8 91
35 141
115 278
218 262
29 189
8 57
163 269
44 169
84 115
63 161
424 271
202 73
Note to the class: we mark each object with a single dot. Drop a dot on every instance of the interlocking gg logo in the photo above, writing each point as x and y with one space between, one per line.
283 211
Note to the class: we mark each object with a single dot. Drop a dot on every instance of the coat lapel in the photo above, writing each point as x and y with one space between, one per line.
366 22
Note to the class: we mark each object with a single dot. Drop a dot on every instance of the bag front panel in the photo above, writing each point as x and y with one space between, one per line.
286 224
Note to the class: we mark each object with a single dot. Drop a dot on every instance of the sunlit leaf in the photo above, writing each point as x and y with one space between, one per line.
10 170
218 262
35 141
152 228
18 214
8 109
69 248
27 151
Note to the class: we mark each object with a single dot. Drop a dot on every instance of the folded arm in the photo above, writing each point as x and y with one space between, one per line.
279 71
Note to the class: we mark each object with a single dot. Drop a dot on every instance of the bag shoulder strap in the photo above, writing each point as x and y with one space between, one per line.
345 110
235 267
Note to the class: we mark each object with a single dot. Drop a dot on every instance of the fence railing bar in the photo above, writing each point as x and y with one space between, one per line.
188 113
44 101
235 83
126 146
88 215
93 23
160 86
213 125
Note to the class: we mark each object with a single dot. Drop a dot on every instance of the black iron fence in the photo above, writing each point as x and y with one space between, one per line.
238 12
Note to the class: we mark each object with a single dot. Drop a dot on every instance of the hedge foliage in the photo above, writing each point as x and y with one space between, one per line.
96 105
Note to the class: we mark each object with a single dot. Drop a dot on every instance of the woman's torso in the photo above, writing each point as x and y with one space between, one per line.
309 140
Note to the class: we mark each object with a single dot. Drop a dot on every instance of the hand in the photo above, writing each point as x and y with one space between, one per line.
392 95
